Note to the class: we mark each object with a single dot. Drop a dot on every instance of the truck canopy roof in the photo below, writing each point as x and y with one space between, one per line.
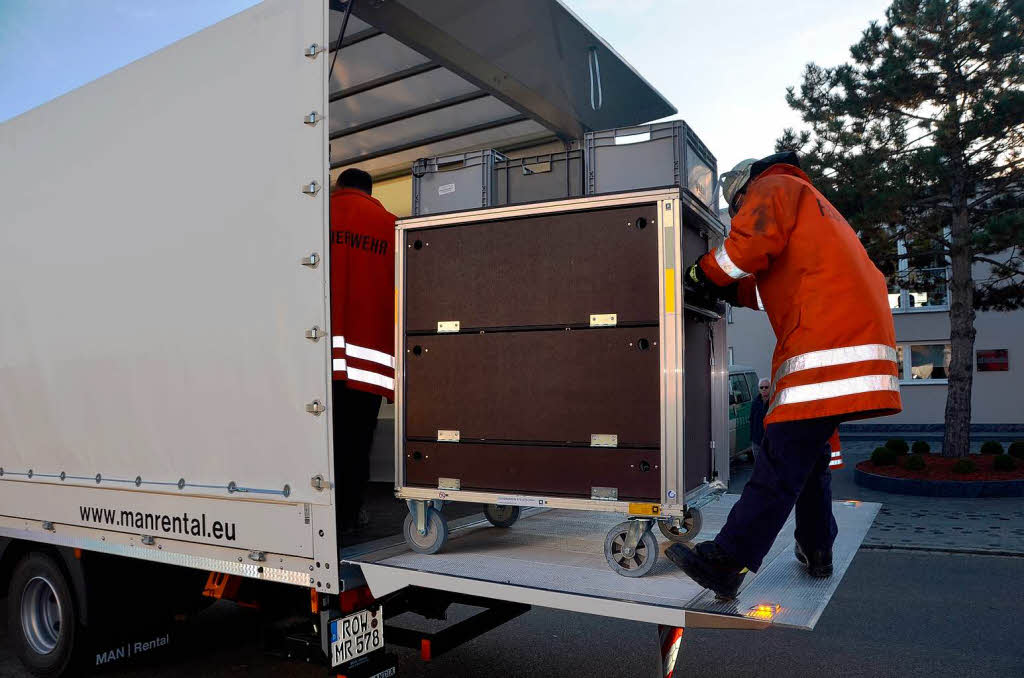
417 78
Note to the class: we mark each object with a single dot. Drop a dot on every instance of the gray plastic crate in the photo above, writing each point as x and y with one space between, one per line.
540 177
651 156
450 183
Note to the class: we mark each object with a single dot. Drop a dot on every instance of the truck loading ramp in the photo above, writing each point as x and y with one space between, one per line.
554 558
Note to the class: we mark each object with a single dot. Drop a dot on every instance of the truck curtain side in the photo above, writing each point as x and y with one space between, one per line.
159 397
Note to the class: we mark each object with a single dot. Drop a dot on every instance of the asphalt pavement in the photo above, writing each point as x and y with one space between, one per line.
915 602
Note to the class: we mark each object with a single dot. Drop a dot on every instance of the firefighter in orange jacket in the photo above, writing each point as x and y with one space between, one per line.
791 254
362 334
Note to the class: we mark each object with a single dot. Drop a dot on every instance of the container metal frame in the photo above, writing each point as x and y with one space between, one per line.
674 500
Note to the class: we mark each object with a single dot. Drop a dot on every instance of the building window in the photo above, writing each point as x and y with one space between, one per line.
732 359
928 363
918 278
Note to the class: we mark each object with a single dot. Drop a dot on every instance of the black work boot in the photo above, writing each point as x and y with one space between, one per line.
819 563
709 566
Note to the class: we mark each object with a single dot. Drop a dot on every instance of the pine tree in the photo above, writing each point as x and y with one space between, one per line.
920 137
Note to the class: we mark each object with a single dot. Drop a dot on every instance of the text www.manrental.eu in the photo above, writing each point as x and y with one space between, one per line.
183 524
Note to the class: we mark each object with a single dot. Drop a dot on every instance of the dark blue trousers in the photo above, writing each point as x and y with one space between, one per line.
791 470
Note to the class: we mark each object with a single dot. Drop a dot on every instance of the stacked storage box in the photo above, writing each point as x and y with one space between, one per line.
542 355
551 176
450 183
648 156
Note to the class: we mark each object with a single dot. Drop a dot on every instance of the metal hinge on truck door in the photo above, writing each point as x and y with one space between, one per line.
604 440
604 493
444 436
604 319
444 326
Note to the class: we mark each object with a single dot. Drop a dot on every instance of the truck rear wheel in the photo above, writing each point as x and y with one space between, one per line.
42 618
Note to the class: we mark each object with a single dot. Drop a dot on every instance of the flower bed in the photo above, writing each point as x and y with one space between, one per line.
938 479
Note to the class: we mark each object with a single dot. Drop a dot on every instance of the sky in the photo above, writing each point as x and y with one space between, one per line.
724 65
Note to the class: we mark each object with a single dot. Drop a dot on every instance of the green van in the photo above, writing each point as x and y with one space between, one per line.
742 391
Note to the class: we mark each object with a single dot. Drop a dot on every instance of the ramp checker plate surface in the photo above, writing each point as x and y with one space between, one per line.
561 552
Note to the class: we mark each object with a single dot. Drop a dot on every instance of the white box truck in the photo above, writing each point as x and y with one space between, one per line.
164 379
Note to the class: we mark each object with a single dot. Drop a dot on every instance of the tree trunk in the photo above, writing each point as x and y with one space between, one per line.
956 441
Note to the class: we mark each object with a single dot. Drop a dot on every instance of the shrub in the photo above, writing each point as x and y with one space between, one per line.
991 447
883 456
1017 449
965 466
914 462
1004 462
920 447
898 445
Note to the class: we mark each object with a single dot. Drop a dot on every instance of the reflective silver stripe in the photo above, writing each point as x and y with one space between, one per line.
338 342
760 304
837 462
834 356
374 356
338 364
837 454
834 389
356 374
731 269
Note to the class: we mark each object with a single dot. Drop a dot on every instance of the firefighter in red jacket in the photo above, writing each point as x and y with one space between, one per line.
362 334
791 254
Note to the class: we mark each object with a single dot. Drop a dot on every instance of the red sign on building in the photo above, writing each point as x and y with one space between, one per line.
994 360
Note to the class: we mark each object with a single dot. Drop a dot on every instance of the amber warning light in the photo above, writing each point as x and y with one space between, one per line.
766 612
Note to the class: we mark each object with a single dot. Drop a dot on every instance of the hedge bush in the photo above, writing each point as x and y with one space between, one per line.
1004 462
991 447
920 447
914 462
883 456
898 445
965 466
1017 449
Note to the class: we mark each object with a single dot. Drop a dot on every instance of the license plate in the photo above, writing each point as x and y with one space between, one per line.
356 635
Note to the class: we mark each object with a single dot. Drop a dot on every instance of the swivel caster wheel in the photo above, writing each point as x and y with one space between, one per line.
631 549
682 530
434 535
501 516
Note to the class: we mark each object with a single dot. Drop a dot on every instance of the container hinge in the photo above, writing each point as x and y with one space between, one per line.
444 436
449 484
148 540
312 118
604 319
712 444
445 326
604 440
604 493
313 260
257 556
316 408
314 334
311 189
48 526
318 483
313 51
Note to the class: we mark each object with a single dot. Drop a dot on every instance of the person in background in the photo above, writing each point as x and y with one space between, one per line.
362 334
791 254
757 411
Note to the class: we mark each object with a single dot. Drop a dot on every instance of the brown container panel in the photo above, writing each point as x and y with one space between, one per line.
550 386
527 469
697 402
548 270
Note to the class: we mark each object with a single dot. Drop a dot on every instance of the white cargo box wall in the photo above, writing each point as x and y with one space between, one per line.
154 306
